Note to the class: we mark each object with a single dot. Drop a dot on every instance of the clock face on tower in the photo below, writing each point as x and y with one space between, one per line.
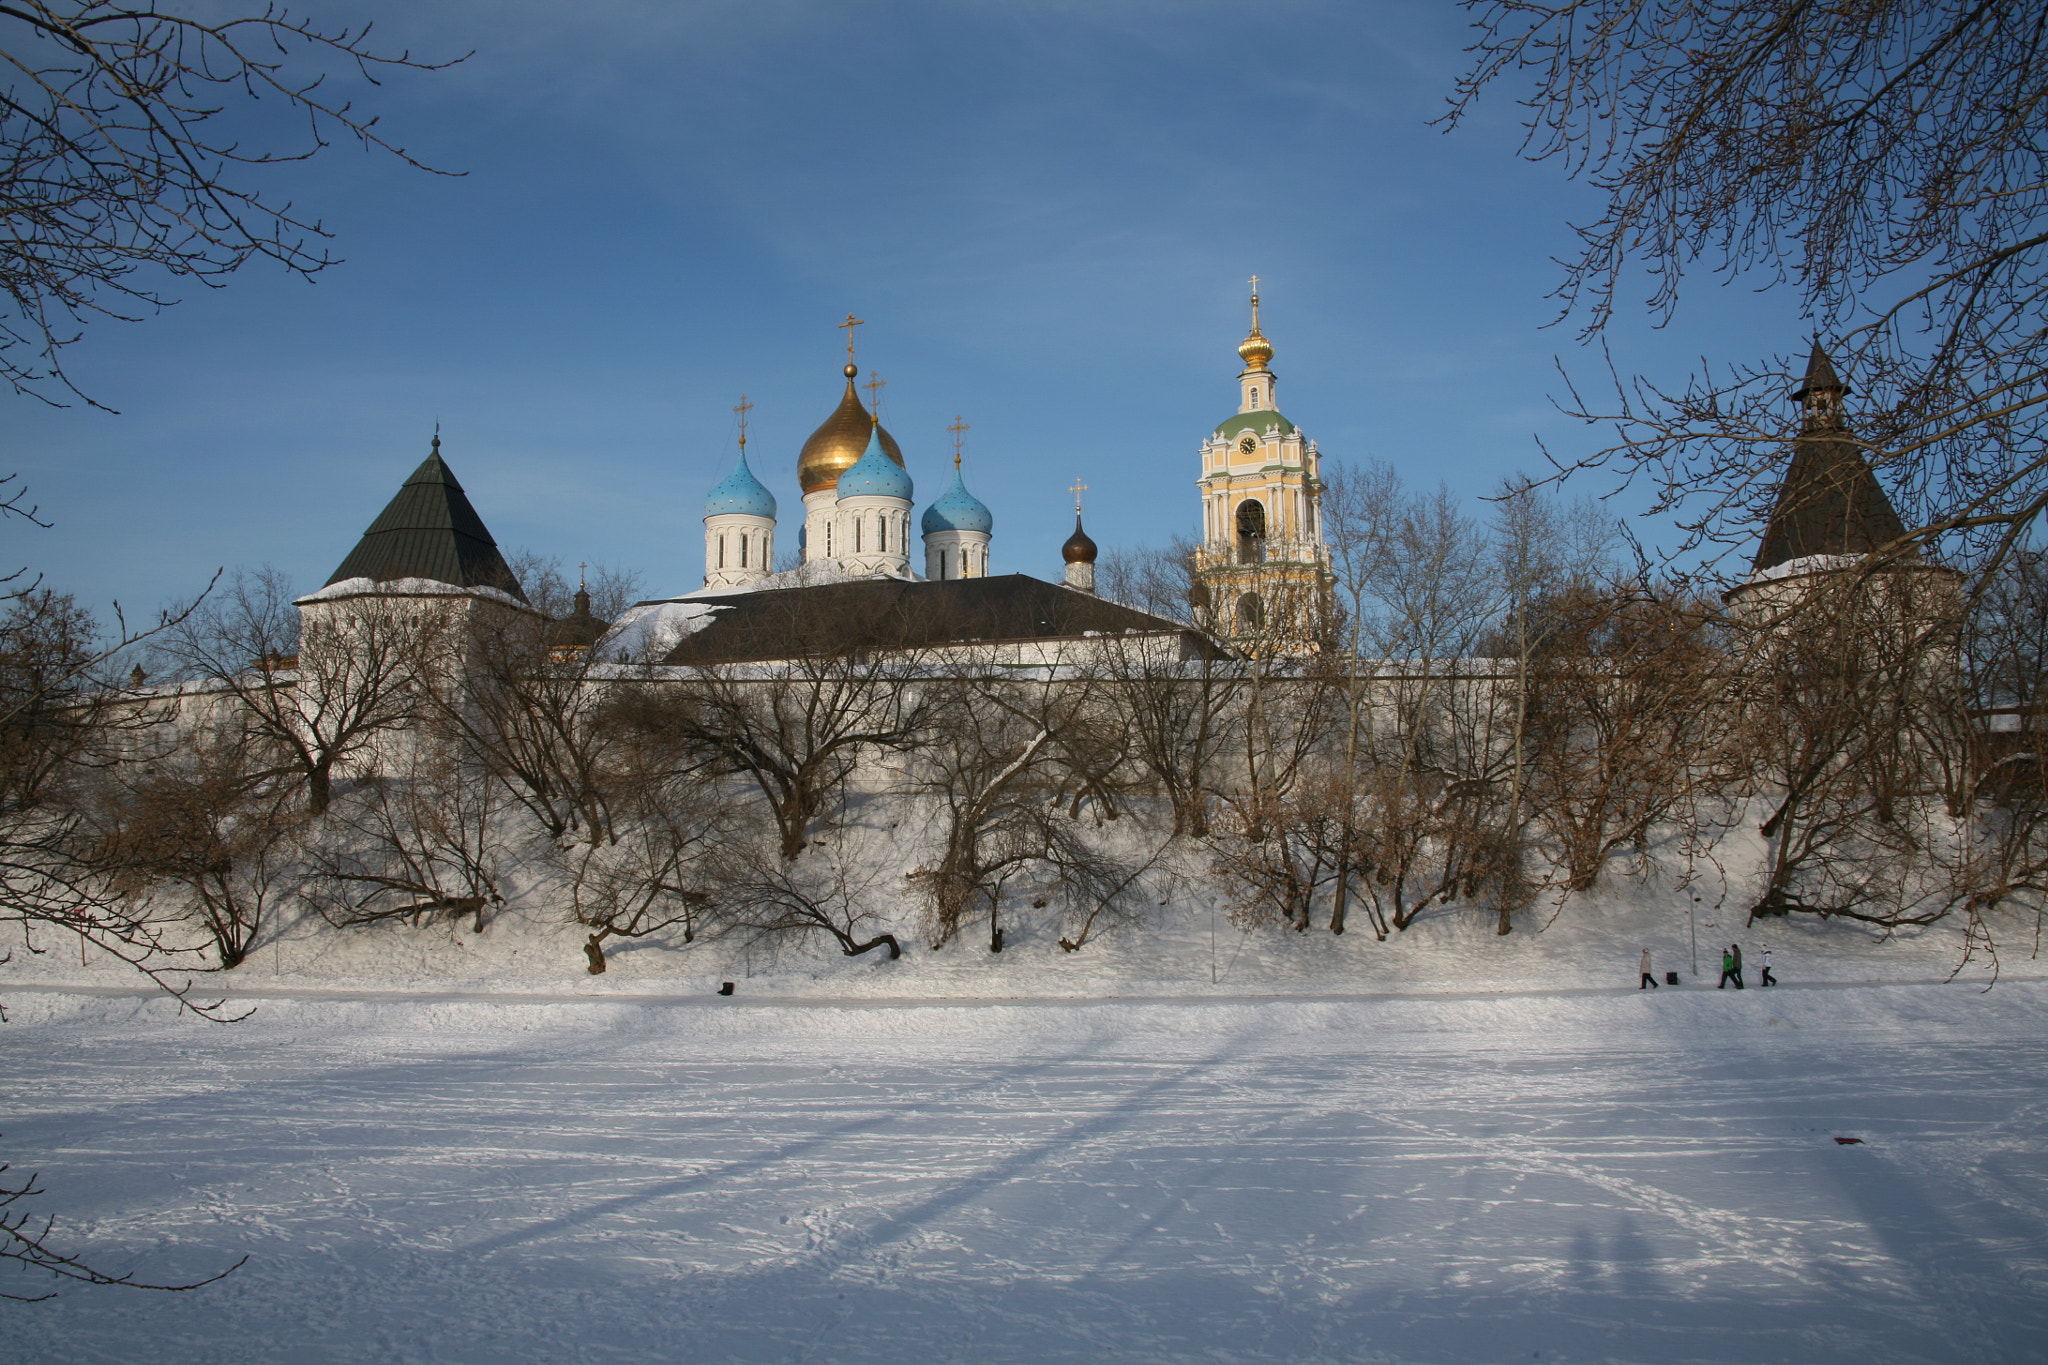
1247 446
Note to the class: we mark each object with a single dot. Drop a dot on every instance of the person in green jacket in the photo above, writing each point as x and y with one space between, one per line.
1731 969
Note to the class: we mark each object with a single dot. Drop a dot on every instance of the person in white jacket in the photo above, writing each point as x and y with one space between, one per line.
1649 977
1768 980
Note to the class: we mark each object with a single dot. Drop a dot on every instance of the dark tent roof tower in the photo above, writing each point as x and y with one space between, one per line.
430 531
1829 503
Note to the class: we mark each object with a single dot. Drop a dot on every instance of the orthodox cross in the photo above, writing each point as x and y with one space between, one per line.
1077 490
850 323
1255 305
580 575
959 430
874 386
741 412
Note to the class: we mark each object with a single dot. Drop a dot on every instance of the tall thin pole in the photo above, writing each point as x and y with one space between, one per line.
1692 918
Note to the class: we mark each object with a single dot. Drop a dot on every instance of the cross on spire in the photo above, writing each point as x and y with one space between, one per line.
850 323
1077 490
1255 305
580 574
874 386
959 430
741 412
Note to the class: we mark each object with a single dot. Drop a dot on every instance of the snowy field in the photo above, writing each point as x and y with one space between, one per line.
1580 1173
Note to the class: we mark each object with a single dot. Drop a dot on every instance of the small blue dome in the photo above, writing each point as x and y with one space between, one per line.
958 510
742 493
875 475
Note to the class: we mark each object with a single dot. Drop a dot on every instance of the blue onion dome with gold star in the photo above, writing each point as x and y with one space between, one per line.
958 510
740 492
875 475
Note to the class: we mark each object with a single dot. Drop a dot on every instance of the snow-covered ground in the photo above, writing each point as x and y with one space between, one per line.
1182 1143
1474 1172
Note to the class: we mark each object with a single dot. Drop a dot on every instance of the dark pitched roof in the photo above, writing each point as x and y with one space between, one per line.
887 613
1820 374
1829 502
430 531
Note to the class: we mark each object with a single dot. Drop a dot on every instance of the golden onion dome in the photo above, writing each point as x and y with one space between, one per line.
1256 350
837 445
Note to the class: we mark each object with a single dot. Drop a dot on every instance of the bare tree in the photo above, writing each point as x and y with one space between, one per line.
203 818
537 720
665 856
123 135
62 725
795 728
1882 160
1845 701
770 900
1625 715
321 698
28 1242
1416 762
420 840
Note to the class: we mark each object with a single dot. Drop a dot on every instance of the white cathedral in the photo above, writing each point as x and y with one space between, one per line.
1262 567
857 502
1261 572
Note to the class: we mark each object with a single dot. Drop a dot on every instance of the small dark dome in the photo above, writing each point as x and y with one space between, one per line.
579 629
1078 549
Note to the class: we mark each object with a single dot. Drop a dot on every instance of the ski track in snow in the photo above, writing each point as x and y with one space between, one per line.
1472 1176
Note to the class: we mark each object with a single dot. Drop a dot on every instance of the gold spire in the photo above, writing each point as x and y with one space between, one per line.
1255 349
959 430
843 437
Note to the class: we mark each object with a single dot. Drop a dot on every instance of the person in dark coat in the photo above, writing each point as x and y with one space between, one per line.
1649 978
1729 970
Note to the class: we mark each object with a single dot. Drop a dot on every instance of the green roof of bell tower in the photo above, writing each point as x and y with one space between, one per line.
1255 422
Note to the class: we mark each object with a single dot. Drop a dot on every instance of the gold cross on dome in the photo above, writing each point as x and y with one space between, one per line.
580 574
959 429
874 386
741 411
1077 490
850 323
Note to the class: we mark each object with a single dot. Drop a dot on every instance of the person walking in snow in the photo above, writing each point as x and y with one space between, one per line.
1768 980
1649 977
1736 948
1729 971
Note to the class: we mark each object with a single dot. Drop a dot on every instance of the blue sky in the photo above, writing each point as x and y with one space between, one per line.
1046 213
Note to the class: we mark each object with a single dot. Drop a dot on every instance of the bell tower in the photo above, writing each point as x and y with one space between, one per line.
1263 572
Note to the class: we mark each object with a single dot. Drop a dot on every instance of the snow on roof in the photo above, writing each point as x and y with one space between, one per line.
1792 568
649 630
406 587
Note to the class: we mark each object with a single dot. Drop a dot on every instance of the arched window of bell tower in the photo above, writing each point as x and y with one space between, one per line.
1251 532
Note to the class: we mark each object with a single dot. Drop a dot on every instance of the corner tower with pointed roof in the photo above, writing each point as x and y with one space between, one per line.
1831 523
416 597
430 532
1262 566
